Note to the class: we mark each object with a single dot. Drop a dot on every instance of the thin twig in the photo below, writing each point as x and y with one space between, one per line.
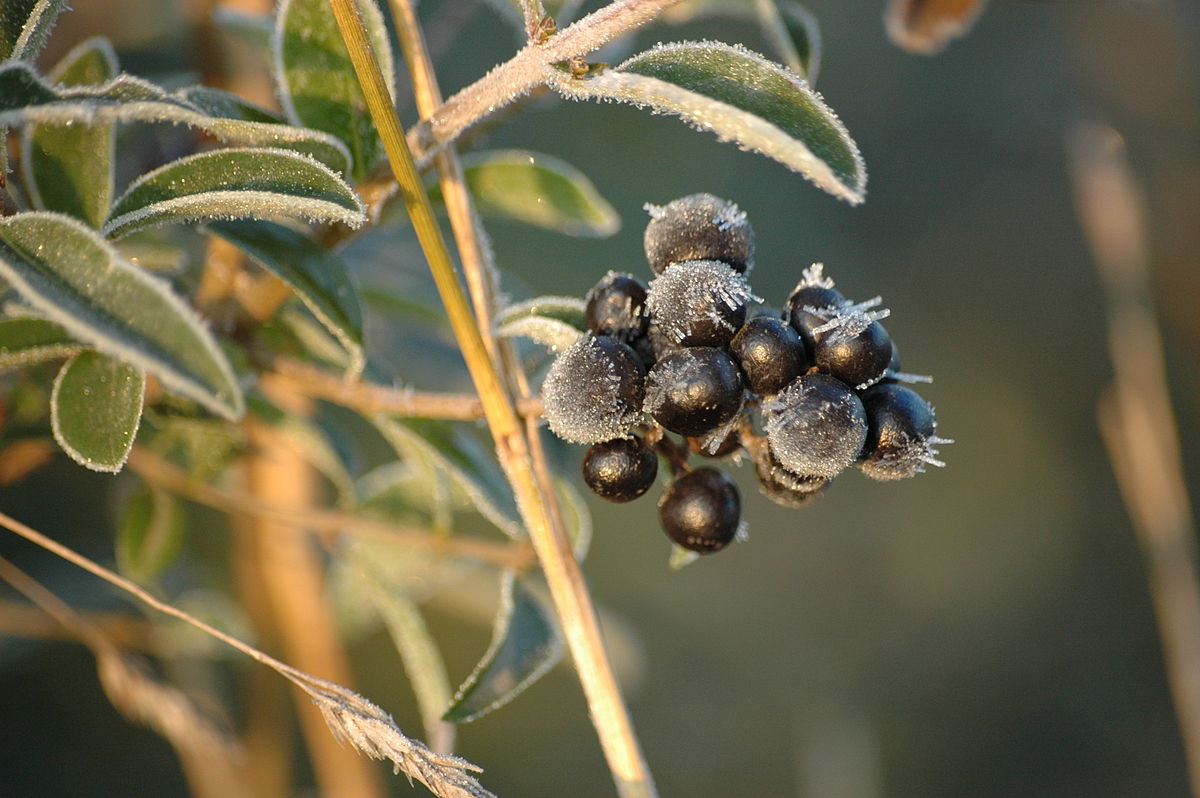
1137 421
349 715
368 398
158 471
123 629
527 69
567 587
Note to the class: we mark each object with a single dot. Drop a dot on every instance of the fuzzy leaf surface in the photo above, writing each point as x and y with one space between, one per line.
74 277
235 184
525 644
95 409
24 342
24 26
318 276
149 535
539 190
742 98
26 97
552 321
317 84
69 168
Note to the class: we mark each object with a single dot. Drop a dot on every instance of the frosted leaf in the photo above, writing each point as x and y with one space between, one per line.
594 391
816 426
550 333
699 303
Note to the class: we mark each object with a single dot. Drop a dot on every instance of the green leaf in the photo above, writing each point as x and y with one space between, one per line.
793 31
741 97
552 321
317 84
525 644
69 168
471 468
24 26
235 184
149 535
28 98
74 277
24 342
95 410
540 190
318 276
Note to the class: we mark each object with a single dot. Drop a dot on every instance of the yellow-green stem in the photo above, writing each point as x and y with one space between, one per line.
567 588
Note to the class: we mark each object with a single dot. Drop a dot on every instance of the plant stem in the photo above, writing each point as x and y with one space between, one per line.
159 472
567 588
527 69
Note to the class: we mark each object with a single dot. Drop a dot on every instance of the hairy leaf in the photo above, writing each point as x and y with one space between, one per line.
317 84
552 321
24 342
540 190
149 535
235 184
470 467
525 644
741 97
69 167
95 409
26 98
24 26
77 279
318 276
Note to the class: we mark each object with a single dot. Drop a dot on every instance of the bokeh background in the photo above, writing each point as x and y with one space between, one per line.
982 630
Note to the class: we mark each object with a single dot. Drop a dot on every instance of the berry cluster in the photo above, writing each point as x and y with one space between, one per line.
805 393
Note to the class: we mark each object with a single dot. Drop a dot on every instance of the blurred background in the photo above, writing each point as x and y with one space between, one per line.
983 630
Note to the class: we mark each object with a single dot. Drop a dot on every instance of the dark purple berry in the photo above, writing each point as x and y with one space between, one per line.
594 390
616 306
770 352
815 426
693 391
901 431
620 470
701 510
698 227
813 296
782 486
859 360
699 303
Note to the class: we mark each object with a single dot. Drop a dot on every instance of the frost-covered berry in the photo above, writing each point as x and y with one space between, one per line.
782 486
770 352
620 470
616 306
701 510
846 341
698 227
813 290
594 390
816 426
693 391
901 429
699 302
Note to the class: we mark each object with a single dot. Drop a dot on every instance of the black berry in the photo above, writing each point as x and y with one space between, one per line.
693 391
770 352
698 227
858 359
620 470
816 426
782 486
701 510
699 303
594 390
616 306
900 433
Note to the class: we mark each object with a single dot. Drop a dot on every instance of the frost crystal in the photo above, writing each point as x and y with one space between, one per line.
814 276
848 321
816 426
594 391
701 302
